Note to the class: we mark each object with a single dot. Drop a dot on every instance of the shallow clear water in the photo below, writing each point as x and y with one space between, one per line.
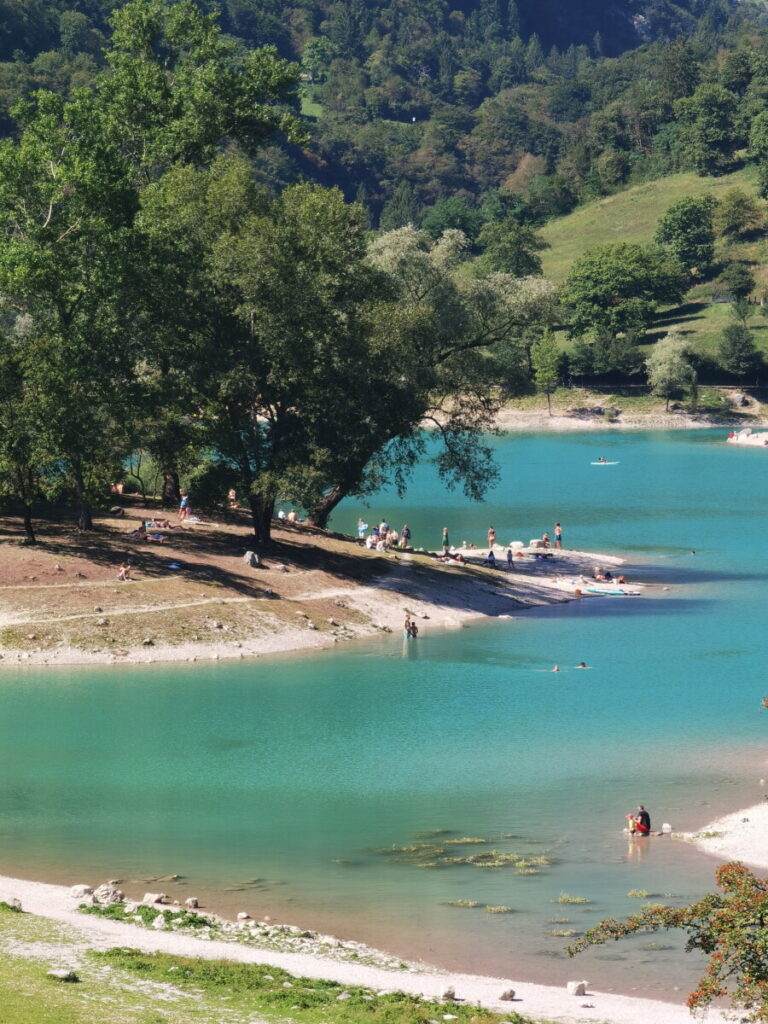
294 771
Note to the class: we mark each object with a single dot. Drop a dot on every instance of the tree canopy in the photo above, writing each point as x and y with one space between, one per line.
730 927
620 286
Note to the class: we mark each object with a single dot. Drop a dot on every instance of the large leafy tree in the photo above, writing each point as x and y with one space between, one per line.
71 259
730 927
669 367
709 132
737 352
67 257
620 286
687 231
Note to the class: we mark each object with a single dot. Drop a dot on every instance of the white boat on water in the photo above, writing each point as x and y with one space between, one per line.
746 437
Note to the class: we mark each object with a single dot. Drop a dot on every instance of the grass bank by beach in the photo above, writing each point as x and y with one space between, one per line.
156 976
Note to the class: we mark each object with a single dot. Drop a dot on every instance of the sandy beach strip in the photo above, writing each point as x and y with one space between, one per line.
741 836
538 1001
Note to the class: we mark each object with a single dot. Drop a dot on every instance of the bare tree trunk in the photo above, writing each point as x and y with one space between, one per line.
170 496
262 510
320 514
84 518
28 528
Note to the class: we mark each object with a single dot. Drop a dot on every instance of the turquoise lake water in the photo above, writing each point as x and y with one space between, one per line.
270 786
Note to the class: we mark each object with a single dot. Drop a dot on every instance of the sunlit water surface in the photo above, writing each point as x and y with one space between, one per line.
274 786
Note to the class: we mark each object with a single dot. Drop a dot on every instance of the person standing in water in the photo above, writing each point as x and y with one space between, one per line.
558 536
445 541
491 538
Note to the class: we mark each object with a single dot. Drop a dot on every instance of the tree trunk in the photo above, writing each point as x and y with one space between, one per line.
261 513
549 402
171 491
319 515
28 528
84 519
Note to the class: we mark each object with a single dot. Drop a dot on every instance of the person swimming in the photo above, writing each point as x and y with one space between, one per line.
556 668
582 664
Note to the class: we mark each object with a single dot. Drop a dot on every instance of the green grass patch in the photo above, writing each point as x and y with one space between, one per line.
565 898
629 216
272 991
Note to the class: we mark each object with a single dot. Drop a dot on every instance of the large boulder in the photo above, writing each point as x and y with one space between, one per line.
78 892
106 894
577 988
154 897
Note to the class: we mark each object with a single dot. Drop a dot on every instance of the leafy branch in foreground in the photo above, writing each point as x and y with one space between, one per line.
730 927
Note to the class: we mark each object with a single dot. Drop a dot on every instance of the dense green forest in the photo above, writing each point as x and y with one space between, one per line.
261 245
411 104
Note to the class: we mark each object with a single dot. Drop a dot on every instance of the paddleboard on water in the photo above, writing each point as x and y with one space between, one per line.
604 463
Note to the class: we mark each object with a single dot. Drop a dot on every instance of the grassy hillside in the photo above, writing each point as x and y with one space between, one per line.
632 216
629 216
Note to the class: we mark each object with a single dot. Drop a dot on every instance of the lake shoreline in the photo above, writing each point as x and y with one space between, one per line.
556 1004
511 420
434 594
737 836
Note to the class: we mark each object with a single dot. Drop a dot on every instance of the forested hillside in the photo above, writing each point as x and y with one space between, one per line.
411 103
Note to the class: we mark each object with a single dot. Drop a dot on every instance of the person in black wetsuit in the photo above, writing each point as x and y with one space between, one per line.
643 821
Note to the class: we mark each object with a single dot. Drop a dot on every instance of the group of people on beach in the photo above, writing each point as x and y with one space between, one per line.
383 537
544 549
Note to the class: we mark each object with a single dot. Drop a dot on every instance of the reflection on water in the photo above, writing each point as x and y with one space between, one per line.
272 787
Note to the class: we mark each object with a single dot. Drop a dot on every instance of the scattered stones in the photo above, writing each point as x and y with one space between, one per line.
287 984
243 916
159 922
148 641
251 559
78 891
217 625
191 902
14 902
98 608
106 894
102 622
333 622
344 995
507 995
577 988
31 636
79 575
311 625
449 995
62 974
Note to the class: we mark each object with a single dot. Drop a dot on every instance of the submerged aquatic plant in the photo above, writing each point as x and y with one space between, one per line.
565 898
498 910
638 894
463 903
